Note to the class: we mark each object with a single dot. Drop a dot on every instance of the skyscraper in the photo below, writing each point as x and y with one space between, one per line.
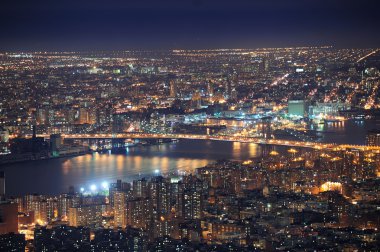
86 215
210 88
139 213
173 88
120 205
140 188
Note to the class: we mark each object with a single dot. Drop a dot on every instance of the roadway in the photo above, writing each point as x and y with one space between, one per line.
366 56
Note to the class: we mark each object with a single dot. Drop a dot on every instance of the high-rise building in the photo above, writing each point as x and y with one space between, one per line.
86 216
118 186
192 204
41 116
120 206
210 88
139 213
66 201
87 116
159 192
173 88
228 87
8 217
140 188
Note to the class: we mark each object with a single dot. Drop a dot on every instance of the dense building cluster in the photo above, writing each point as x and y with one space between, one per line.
166 91
305 195
292 199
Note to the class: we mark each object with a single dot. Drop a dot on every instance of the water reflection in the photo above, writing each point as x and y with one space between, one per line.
112 167
56 175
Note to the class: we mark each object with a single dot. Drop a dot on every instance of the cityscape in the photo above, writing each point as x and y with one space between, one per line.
209 147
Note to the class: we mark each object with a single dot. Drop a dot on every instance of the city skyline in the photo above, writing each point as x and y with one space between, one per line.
194 125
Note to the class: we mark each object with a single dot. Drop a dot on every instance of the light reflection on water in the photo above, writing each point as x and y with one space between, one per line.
97 167
56 175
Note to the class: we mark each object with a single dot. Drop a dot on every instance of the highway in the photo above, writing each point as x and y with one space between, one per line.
366 56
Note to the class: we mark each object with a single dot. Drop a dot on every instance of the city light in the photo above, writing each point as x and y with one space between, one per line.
105 185
228 148
93 188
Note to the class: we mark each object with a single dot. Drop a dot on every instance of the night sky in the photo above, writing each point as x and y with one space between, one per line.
196 24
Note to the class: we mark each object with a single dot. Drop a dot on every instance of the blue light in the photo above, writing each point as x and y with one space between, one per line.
105 185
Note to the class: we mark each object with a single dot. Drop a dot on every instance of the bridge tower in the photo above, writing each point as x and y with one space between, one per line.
265 129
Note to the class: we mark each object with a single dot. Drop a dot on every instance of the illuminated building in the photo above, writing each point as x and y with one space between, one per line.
224 231
328 109
119 186
65 201
41 116
296 108
86 116
210 88
173 88
86 216
120 205
331 186
159 191
138 213
192 204
140 188
4 140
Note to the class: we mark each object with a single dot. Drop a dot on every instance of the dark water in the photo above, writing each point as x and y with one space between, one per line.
350 131
56 175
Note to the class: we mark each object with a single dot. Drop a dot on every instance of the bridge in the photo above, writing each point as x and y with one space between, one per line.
232 138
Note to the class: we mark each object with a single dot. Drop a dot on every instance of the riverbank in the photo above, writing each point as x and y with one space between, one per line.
71 151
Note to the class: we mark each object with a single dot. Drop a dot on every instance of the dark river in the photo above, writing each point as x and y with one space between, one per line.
54 176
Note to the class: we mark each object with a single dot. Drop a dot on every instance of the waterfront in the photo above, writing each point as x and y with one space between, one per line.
54 176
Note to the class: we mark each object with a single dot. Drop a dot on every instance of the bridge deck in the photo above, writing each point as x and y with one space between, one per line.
231 138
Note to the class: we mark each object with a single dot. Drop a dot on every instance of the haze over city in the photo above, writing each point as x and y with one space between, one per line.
197 24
